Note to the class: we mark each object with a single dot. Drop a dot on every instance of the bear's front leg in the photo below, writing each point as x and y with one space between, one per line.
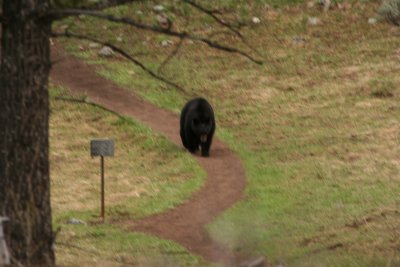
205 149
192 143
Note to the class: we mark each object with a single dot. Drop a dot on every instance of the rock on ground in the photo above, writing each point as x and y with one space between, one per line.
106 52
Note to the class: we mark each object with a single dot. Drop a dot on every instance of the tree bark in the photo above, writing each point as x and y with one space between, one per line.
24 112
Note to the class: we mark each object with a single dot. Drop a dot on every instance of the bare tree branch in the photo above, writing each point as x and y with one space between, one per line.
109 3
170 56
102 5
123 53
211 13
55 14
98 5
230 27
87 102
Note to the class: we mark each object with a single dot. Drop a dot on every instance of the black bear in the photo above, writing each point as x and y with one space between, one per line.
197 126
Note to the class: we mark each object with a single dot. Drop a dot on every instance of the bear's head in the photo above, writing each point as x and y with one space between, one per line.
202 127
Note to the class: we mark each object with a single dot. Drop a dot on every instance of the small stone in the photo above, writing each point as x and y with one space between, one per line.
372 21
131 72
106 52
326 4
313 21
298 40
258 262
139 12
363 104
94 45
163 20
166 42
158 8
64 27
76 221
81 48
255 20
310 4
119 39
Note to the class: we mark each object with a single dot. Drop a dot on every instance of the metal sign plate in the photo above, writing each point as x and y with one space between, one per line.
102 147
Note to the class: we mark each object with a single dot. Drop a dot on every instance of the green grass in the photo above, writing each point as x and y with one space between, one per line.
298 213
106 245
317 127
141 179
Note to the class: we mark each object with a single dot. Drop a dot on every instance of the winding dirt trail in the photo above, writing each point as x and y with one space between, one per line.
225 180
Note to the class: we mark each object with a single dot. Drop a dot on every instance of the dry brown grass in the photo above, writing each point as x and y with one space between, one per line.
138 169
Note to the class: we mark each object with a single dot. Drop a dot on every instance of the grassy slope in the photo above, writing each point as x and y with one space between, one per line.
317 127
140 180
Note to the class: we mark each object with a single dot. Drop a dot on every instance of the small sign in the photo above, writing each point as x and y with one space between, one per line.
102 147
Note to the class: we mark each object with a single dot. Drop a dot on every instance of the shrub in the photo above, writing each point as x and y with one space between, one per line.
390 11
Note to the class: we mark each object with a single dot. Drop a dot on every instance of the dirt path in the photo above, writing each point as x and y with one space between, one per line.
226 178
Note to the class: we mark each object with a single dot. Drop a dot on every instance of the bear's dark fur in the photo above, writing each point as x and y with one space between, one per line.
197 126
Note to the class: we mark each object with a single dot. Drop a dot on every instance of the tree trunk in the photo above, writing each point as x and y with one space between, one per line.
24 112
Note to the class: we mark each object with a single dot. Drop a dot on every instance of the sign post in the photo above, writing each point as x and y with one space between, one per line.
102 148
102 186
